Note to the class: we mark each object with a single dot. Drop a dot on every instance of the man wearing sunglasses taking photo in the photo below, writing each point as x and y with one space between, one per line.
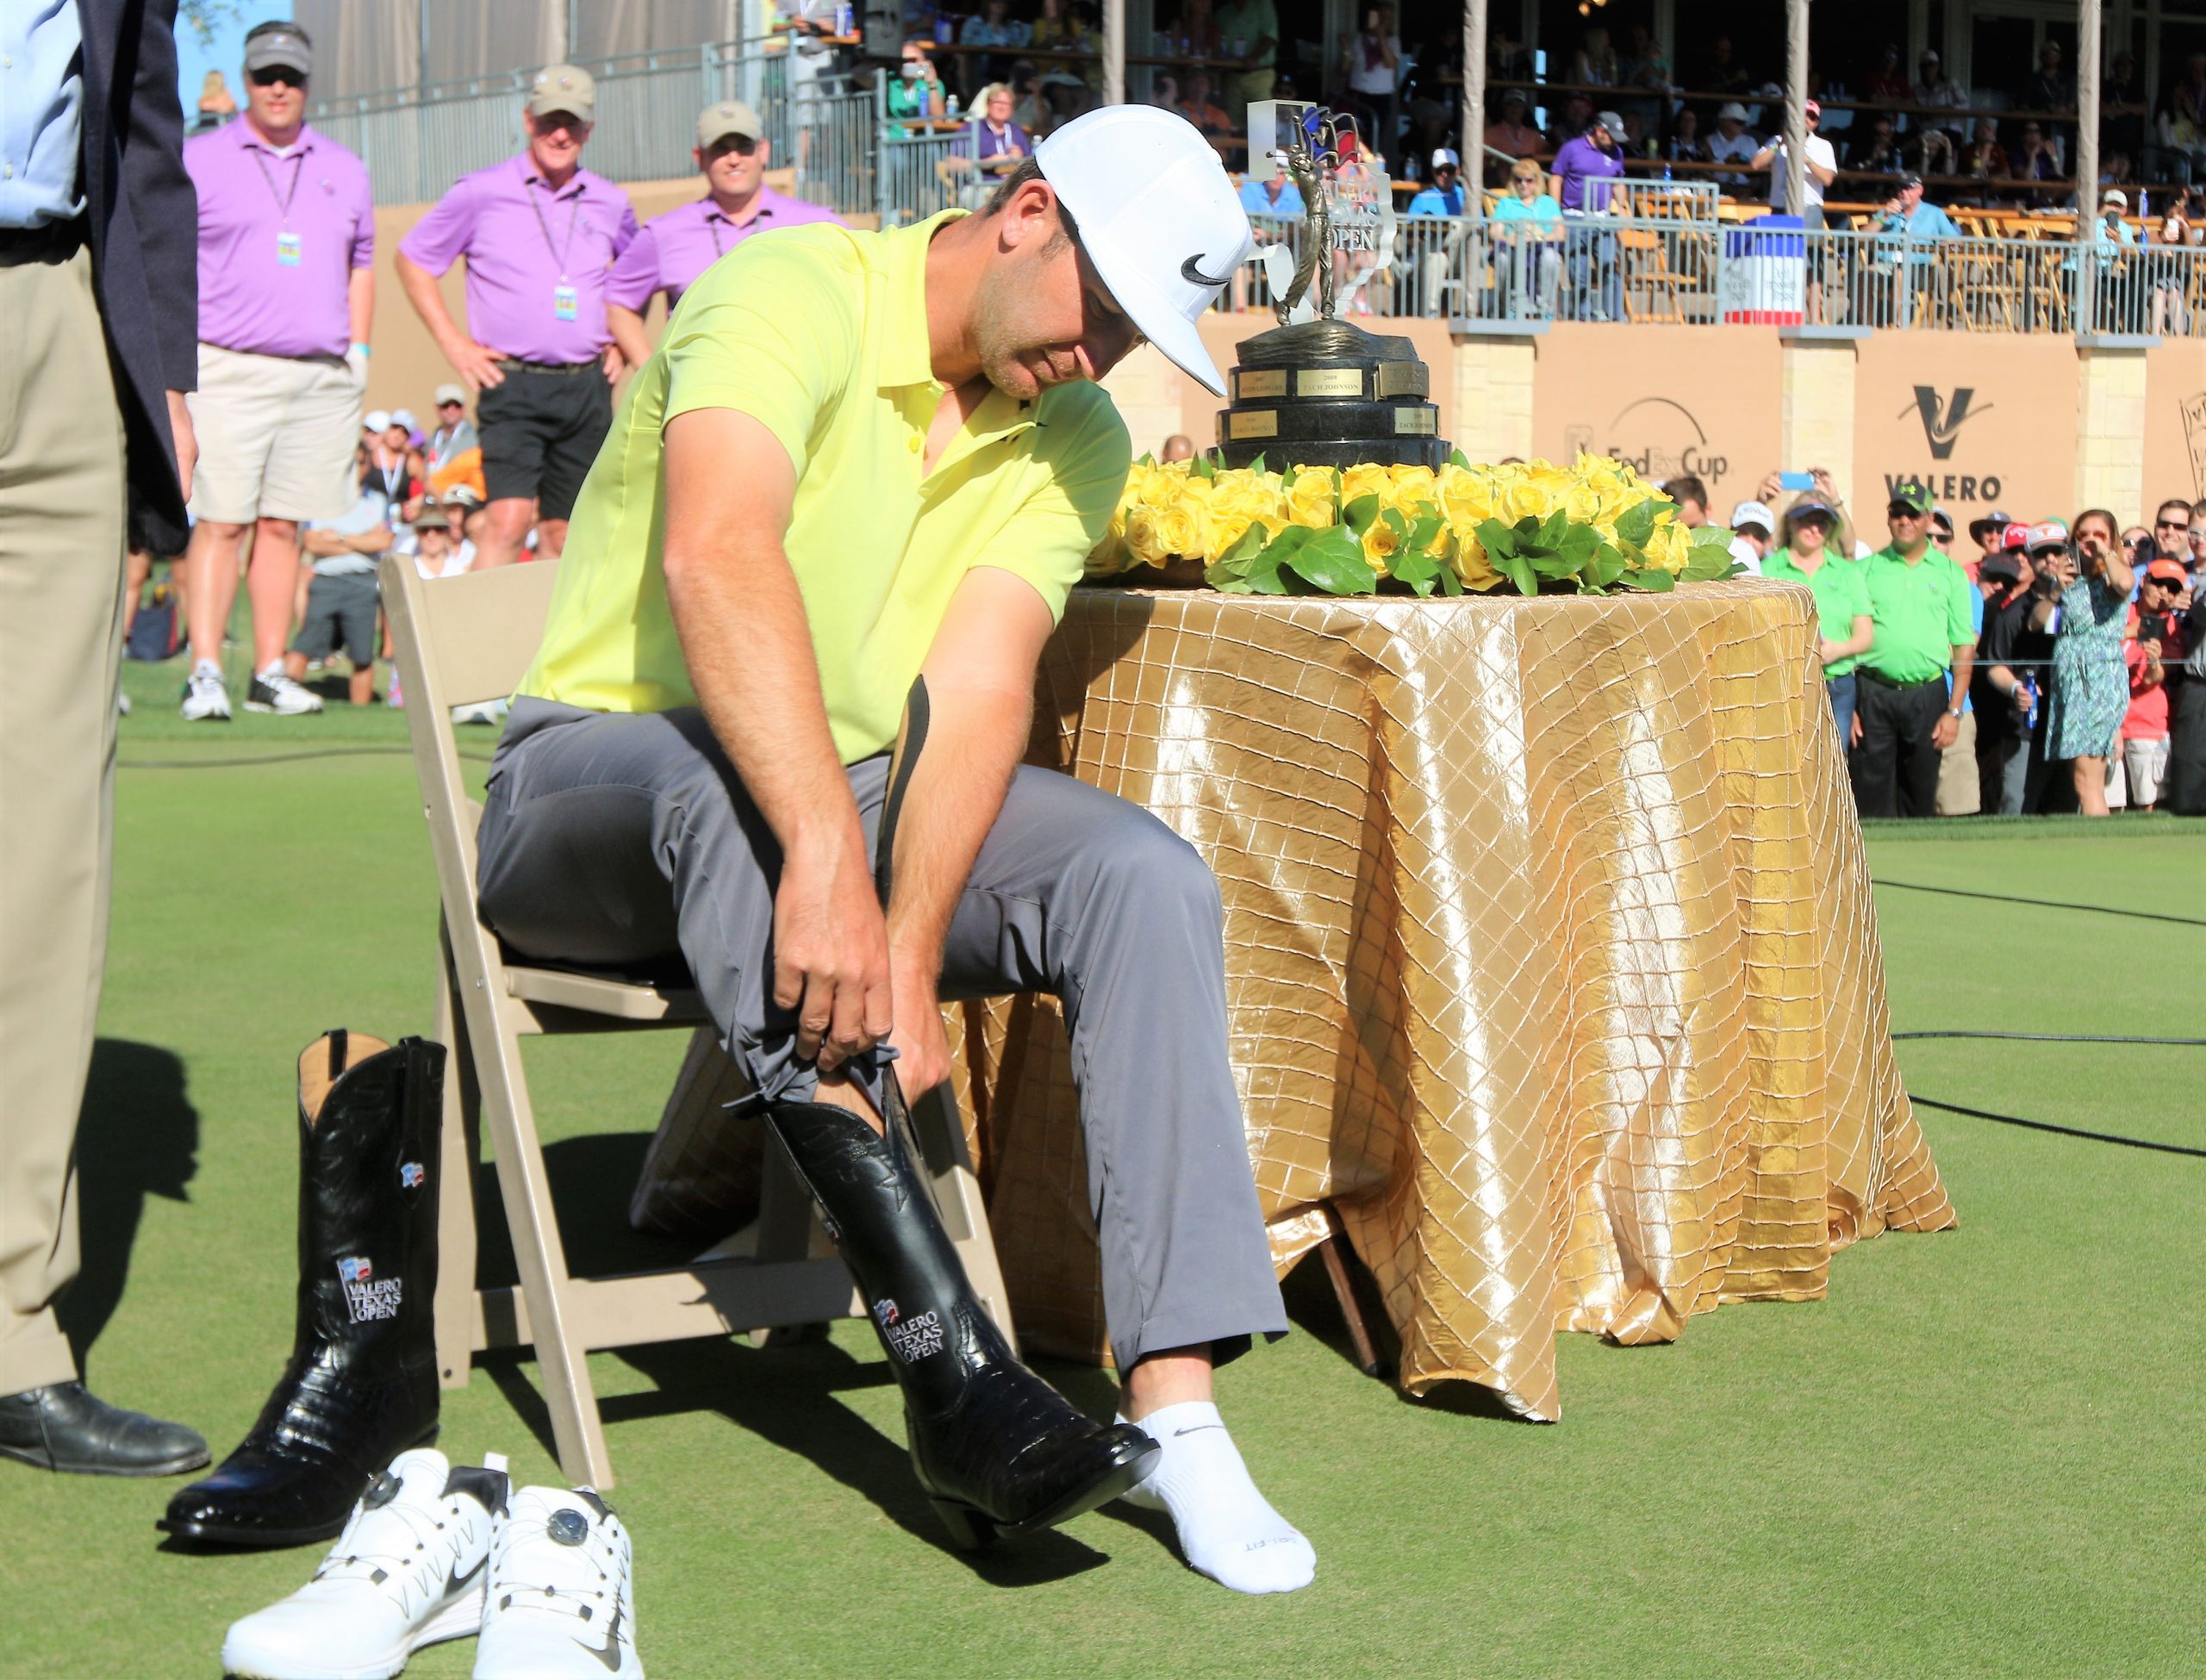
855 459
287 244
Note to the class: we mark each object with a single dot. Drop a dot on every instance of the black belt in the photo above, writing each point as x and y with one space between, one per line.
516 362
48 242
1884 681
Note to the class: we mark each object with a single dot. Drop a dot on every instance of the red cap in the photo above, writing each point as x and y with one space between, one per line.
2168 571
1813 109
2017 536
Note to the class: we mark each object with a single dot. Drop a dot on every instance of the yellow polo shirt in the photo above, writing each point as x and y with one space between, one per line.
819 334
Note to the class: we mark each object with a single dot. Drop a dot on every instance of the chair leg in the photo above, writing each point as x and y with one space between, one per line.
541 1257
458 1152
1359 1333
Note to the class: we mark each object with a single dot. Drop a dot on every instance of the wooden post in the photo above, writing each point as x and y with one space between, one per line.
1795 103
1474 148
2086 166
1114 52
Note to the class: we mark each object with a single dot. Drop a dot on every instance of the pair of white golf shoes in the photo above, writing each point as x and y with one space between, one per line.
433 1551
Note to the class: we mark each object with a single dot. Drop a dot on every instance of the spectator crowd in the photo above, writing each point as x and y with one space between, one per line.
2015 667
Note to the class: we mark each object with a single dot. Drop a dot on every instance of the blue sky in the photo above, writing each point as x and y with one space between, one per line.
193 60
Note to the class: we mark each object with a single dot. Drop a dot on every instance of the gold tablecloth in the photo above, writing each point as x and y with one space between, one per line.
1550 959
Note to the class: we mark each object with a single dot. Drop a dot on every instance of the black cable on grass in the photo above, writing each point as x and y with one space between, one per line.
2043 904
275 758
2064 1131
2047 1125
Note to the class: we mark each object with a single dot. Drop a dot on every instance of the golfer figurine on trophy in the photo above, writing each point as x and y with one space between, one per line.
1314 390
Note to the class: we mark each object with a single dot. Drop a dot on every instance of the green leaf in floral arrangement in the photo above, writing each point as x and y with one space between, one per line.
1227 582
1450 584
1653 580
1147 459
1290 539
1554 565
1417 569
1423 531
1257 465
1551 529
1608 565
1245 546
1332 561
1711 536
1204 467
1579 544
1288 474
1457 458
1528 532
1707 564
1520 572
1637 523
1393 520
1497 539
1357 515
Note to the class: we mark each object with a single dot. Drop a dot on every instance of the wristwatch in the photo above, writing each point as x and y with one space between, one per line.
1953 712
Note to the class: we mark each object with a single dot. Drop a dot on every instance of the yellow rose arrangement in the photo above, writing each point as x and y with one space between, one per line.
1589 528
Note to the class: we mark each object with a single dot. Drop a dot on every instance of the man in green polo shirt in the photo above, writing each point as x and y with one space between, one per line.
1916 670
857 458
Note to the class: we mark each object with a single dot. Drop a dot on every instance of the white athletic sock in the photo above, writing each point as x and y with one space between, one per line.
1227 1529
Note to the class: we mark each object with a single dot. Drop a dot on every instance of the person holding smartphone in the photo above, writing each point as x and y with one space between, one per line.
2090 684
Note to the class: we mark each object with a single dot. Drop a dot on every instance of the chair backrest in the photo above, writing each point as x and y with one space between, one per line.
459 640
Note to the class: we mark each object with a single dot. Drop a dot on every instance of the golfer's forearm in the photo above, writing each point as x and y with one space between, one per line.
360 304
976 739
748 645
626 326
421 289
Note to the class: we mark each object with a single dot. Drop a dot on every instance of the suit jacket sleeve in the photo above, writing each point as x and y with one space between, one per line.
163 202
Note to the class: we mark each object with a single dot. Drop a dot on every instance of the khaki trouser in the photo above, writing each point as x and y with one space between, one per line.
62 559
1958 793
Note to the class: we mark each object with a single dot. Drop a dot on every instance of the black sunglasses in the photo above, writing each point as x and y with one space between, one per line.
268 75
1900 510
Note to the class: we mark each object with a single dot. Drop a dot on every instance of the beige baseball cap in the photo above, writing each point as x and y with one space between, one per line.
564 87
730 116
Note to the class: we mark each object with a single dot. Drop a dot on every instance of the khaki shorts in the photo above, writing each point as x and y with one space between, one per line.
276 437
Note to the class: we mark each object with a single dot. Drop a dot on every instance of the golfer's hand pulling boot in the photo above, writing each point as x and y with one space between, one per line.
362 1384
995 1448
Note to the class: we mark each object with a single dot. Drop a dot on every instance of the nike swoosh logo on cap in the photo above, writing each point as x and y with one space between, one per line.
610 1656
1192 270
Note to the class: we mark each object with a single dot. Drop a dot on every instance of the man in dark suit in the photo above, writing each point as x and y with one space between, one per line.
98 310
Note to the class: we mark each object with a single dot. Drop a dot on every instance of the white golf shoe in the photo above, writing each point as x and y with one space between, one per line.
409 1571
562 1599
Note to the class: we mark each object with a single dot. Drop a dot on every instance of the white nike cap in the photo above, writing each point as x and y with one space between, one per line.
1159 218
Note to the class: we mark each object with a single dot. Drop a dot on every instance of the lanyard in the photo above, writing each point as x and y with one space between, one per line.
713 219
558 251
298 162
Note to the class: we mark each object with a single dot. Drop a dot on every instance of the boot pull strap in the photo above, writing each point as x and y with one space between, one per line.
914 737
338 1048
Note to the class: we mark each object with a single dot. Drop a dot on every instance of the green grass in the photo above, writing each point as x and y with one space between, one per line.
1979 1456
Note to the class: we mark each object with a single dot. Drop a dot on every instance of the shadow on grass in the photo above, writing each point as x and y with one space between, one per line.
139 1136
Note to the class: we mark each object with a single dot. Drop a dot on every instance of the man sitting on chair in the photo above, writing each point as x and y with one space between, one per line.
803 506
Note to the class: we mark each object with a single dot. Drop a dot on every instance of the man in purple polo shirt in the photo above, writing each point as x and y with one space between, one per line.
286 245
673 249
1583 169
538 233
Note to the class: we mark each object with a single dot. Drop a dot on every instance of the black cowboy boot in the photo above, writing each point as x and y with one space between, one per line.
994 1446
362 1384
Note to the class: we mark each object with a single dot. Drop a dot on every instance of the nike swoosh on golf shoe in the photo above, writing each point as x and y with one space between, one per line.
454 1580
610 1656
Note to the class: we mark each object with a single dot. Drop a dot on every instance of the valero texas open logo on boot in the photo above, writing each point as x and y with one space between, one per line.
367 1295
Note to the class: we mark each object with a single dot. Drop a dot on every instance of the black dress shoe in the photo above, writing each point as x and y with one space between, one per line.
71 1430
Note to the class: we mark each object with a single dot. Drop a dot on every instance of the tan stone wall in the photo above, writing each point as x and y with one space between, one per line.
1815 417
2111 431
2175 420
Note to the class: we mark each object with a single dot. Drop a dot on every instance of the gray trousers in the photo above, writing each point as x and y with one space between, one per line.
620 841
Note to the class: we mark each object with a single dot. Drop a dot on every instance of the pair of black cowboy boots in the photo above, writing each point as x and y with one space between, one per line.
995 1446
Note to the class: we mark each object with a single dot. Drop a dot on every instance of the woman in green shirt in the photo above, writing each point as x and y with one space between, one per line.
1843 625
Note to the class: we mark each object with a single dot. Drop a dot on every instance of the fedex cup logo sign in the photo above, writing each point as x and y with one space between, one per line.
1942 416
1656 437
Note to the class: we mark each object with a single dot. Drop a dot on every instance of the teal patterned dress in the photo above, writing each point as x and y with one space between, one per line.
2091 685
